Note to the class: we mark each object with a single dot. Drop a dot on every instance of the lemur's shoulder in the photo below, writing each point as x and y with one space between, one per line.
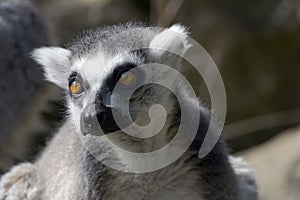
56 173
21 182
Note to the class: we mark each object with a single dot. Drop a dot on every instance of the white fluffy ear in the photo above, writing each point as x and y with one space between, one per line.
55 62
173 39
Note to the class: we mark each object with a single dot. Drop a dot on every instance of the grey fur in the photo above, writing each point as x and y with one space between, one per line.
66 170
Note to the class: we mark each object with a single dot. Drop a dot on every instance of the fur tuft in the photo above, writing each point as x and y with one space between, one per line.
174 39
21 182
55 62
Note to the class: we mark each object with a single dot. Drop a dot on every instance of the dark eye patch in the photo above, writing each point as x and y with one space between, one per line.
117 73
74 76
121 70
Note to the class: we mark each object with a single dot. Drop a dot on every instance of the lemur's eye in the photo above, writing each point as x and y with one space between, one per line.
127 78
75 84
76 87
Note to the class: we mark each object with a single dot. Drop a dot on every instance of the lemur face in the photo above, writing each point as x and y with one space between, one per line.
103 76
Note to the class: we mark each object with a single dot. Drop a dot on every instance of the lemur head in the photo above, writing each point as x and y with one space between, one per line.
93 64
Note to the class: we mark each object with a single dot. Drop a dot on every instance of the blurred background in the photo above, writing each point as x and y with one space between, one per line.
255 44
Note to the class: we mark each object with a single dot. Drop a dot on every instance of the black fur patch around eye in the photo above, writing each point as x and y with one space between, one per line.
117 73
113 78
73 77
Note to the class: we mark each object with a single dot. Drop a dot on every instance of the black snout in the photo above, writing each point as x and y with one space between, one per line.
97 117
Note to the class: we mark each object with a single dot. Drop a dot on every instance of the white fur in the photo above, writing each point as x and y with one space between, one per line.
246 178
55 62
172 39
22 182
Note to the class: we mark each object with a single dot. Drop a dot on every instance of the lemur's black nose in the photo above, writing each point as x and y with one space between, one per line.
97 119
90 118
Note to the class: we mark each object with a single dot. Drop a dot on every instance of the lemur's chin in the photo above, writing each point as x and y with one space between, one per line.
94 128
88 129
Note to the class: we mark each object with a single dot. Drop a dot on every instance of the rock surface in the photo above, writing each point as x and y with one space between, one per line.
277 166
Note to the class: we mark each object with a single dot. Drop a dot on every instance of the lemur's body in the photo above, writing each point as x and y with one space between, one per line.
67 170
92 180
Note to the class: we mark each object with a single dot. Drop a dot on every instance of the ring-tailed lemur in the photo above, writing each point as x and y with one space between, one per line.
88 69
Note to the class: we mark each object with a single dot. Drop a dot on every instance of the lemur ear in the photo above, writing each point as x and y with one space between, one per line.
172 39
55 62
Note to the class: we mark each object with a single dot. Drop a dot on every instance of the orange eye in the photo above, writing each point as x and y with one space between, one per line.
127 78
76 87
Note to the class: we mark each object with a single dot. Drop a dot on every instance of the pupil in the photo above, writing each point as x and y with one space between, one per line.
126 76
75 87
